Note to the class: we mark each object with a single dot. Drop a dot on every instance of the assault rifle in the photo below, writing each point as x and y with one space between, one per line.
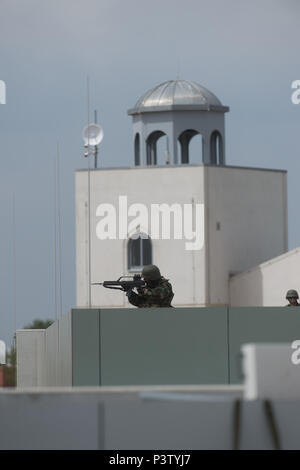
121 284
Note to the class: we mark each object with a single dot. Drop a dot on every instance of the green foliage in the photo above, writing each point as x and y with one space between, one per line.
38 324
11 356
9 370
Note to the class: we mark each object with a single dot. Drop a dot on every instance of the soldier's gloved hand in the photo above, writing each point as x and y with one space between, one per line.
128 292
126 288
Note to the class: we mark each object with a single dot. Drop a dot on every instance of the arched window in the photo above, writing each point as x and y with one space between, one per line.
156 154
137 160
216 149
139 251
191 153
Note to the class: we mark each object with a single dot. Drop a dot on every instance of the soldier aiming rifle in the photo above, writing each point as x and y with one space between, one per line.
153 290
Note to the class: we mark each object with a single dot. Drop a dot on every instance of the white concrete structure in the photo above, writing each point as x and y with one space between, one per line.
140 418
30 358
44 356
245 209
267 283
244 224
269 372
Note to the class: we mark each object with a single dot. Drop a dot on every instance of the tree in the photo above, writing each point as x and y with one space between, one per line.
9 370
38 324
11 356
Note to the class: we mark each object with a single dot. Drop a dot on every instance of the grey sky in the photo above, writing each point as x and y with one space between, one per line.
244 51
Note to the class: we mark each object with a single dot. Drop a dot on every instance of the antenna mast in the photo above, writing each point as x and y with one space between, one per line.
55 268
92 136
59 231
14 269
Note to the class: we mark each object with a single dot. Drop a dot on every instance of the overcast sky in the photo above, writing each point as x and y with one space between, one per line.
244 51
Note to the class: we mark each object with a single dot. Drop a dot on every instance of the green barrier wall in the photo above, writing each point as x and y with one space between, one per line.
85 347
164 346
258 325
172 346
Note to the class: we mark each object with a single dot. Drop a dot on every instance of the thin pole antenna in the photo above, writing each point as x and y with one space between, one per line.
96 148
55 235
89 196
178 69
59 233
14 270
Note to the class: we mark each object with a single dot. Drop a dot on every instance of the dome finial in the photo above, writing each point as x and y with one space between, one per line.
178 69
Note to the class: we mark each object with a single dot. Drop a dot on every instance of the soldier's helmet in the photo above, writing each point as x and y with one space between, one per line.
151 272
292 294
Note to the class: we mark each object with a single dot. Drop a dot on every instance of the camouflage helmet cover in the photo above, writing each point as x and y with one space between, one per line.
151 272
292 294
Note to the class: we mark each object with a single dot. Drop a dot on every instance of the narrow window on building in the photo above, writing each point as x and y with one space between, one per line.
137 158
216 149
191 147
156 154
139 251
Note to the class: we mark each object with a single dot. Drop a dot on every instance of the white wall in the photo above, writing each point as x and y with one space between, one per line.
250 205
173 124
44 357
185 269
140 418
267 284
269 372
30 346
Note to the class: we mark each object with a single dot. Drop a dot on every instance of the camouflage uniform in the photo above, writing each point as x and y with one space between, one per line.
160 295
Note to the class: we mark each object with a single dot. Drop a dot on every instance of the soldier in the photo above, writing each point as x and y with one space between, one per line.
157 292
292 296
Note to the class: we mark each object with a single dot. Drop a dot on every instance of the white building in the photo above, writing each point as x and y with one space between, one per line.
244 219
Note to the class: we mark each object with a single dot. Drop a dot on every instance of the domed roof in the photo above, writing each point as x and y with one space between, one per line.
178 94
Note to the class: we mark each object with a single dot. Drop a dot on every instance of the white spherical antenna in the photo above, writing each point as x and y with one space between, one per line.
92 134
